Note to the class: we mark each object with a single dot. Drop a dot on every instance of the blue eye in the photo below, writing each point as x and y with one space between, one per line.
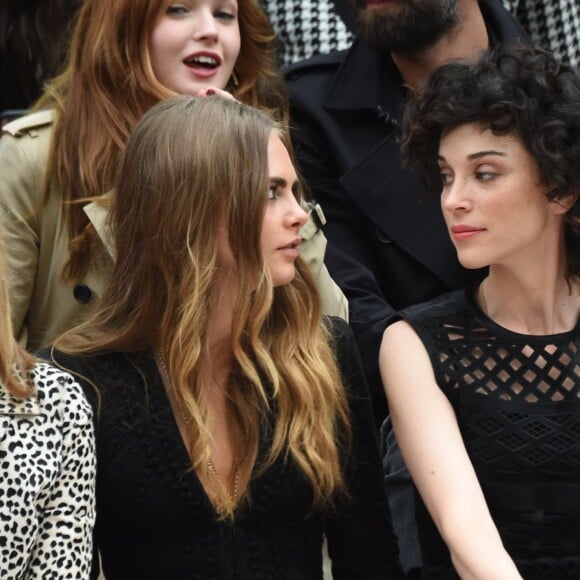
176 9
223 15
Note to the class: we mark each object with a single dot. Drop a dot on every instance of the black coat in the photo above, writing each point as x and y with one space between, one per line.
388 245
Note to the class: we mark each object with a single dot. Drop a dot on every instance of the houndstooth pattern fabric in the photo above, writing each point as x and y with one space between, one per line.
552 24
306 28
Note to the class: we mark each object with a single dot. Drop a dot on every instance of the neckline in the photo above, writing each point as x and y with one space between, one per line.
233 485
499 329
176 463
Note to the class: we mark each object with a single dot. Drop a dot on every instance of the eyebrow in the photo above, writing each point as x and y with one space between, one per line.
478 155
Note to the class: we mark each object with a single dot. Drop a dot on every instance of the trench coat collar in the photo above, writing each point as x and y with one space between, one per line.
368 80
98 213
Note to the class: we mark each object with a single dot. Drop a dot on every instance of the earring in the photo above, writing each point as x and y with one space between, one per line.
235 79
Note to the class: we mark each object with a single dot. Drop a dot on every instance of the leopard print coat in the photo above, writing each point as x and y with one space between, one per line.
47 479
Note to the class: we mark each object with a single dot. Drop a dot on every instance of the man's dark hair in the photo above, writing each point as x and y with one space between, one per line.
511 90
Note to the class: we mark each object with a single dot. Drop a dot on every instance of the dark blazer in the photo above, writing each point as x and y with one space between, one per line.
388 245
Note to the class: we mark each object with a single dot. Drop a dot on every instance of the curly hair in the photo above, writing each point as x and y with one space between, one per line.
512 90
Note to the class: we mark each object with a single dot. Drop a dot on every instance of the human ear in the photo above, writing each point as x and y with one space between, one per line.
563 203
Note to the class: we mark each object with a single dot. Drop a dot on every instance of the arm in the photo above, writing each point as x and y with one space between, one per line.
433 449
21 192
63 546
361 542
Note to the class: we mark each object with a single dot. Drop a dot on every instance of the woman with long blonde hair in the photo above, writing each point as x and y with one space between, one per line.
125 56
47 451
235 428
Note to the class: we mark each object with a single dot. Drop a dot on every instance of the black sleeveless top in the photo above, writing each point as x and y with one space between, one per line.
517 402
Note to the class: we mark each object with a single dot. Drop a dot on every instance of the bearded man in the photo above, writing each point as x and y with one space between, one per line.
388 246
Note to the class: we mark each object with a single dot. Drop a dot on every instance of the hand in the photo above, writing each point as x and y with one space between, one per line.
215 91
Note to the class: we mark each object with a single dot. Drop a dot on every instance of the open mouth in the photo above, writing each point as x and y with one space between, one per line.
202 61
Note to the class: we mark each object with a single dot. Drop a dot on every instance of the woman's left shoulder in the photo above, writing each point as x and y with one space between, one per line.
59 393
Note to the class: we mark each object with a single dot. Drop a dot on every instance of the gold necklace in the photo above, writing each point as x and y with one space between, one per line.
234 486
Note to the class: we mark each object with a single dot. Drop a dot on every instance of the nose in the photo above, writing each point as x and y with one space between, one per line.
456 197
296 216
205 25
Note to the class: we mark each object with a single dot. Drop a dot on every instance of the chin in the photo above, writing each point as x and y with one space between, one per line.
472 262
283 278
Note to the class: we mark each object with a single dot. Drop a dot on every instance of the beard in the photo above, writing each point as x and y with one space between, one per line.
409 27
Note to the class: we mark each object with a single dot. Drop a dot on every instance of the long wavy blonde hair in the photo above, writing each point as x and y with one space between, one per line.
189 162
108 84
15 362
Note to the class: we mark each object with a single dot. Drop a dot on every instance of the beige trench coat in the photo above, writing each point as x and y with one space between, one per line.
36 242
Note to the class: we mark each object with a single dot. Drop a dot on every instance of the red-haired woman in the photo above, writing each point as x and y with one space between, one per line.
125 57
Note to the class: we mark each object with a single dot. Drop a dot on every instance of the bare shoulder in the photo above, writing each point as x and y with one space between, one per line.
403 360
400 336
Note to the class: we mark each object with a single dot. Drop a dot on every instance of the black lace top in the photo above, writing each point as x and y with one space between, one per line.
155 521
517 401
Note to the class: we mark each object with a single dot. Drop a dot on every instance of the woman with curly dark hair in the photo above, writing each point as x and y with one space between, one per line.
484 384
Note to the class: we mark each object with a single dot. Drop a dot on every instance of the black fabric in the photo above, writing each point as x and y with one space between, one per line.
517 402
154 520
388 245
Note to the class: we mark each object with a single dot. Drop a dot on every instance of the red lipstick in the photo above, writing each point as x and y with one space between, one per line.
462 232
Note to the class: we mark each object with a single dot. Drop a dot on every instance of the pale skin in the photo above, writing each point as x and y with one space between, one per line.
493 184
194 46
280 230
431 444
490 184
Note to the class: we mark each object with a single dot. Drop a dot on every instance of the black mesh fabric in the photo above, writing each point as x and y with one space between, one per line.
517 401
